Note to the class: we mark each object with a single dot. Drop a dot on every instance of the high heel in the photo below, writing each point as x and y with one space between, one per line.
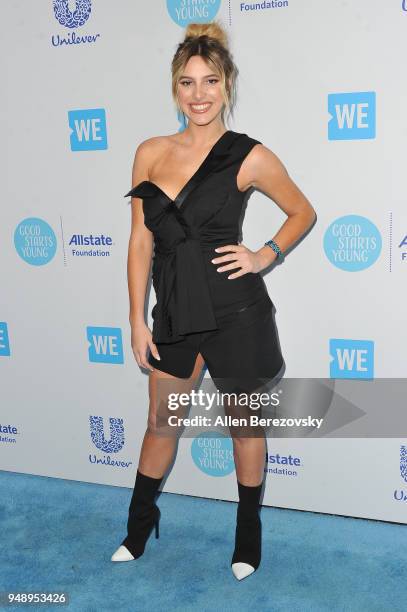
143 516
247 553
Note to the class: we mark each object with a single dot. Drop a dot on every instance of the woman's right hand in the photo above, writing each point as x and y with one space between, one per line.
141 341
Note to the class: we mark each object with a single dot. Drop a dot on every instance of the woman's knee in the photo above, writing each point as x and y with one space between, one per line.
154 424
158 423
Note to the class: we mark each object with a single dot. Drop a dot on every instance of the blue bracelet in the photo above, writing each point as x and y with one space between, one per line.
275 248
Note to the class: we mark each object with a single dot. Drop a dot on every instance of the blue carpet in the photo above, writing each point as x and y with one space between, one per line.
60 534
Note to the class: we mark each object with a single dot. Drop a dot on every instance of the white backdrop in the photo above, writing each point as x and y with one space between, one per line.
73 115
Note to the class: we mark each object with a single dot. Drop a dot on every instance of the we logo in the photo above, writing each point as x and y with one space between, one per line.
88 129
4 340
352 116
105 344
351 358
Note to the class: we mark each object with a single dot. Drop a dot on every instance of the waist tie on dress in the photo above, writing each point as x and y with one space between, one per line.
184 302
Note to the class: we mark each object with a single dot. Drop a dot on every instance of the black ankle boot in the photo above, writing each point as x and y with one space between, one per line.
248 531
144 514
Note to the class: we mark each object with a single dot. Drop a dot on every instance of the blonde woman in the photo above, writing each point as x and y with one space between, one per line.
212 304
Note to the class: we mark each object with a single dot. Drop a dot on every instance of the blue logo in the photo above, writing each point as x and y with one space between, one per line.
352 243
351 358
105 344
353 116
403 246
116 436
72 19
8 429
283 465
4 341
113 444
35 241
403 462
94 245
401 494
88 129
212 453
183 12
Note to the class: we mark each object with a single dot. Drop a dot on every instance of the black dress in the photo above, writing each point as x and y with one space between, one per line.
199 309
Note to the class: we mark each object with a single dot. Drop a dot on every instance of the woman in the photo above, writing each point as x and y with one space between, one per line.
212 304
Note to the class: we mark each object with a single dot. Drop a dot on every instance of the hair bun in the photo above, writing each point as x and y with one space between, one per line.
212 29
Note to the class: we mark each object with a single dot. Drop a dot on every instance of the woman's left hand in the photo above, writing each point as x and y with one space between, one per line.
241 257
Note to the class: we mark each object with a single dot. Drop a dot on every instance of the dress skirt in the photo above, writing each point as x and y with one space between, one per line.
241 355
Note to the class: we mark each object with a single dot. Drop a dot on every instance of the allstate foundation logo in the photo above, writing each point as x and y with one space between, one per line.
90 245
282 465
403 247
184 11
212 453
75 18
112 444
352 243
401 494
35 241
8 434
72 15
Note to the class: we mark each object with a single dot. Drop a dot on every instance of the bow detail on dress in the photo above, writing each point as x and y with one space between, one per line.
184 303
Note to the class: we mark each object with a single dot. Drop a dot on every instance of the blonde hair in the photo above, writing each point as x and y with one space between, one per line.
210 41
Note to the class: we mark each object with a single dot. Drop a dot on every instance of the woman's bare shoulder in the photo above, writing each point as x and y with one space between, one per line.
155 143
151 149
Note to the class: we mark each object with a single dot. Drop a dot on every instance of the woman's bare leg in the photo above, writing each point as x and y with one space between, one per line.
249 445
157 450
250 457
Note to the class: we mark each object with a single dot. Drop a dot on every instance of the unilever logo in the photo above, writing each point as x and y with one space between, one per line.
35 241
116 440
113 444
403 462
71 14
185 11
212 453
352 243
400 494
75 18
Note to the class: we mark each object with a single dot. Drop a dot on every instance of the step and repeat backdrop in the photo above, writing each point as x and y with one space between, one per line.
85 82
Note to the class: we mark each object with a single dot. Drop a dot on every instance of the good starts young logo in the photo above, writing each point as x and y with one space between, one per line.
212 453
183 12
35 241
352 243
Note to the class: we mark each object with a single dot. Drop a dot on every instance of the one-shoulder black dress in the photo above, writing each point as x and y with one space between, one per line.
229 321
